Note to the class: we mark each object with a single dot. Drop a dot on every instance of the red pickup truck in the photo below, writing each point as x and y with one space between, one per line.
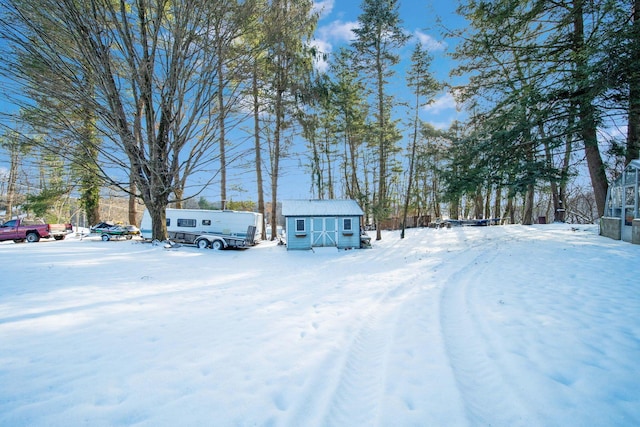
20 230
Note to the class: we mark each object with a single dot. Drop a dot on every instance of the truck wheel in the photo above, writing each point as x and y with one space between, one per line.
217 245
106 237
58 237
202 243
33 237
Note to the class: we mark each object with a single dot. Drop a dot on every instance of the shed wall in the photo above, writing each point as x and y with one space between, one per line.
305 239
349 238
297 240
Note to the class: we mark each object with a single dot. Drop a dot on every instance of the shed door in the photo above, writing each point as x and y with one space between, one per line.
324 231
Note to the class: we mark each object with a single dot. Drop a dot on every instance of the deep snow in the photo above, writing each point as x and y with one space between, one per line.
473 326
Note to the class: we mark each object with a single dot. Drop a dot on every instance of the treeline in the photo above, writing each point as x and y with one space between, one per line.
547 80
143 95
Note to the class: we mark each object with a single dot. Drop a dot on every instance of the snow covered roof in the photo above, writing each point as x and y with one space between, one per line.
321 208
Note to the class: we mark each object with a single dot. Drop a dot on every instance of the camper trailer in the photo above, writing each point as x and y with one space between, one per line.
209 228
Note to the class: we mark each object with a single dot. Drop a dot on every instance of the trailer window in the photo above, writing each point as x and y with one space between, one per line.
299 224
346 224
206 222
186 222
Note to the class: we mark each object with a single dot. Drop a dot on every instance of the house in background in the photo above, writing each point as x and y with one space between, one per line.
322 223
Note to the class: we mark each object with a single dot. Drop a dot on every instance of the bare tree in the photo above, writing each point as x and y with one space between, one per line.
16 147
154 76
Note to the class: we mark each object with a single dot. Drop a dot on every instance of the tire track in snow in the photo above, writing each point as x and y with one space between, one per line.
354 398
482 381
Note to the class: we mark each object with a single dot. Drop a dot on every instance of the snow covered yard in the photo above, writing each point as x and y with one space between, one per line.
474 326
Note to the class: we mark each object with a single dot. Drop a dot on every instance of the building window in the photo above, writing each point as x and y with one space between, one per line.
300 225
186 222
168 222
206 222
346 224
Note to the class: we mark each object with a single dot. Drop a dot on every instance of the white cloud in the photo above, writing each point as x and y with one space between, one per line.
445 102
337 31
429 42
323 47
441 125
323 7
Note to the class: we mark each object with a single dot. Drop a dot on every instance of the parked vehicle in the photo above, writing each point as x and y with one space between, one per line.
109 230
20 230
204 228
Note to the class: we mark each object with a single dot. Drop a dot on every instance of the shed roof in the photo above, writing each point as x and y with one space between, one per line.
321 208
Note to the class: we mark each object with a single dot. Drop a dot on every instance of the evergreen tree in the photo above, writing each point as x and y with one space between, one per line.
287 25
534 82
423 84
378 37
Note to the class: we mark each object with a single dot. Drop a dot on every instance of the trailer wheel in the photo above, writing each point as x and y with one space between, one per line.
106 237
33 237
59 237
202 243
217 245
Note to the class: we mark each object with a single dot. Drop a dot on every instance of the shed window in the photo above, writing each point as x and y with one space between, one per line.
300 224
186 222
346 224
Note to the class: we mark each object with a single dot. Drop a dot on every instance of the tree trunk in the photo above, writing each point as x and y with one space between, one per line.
13 178
275 164
316 174
416 120
331 193
478 204
586 113
158 216
509 211
91 201
133 211
258 150
382 157
355 185
527 214
179 193
454 209
596 172
497 202
221 125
